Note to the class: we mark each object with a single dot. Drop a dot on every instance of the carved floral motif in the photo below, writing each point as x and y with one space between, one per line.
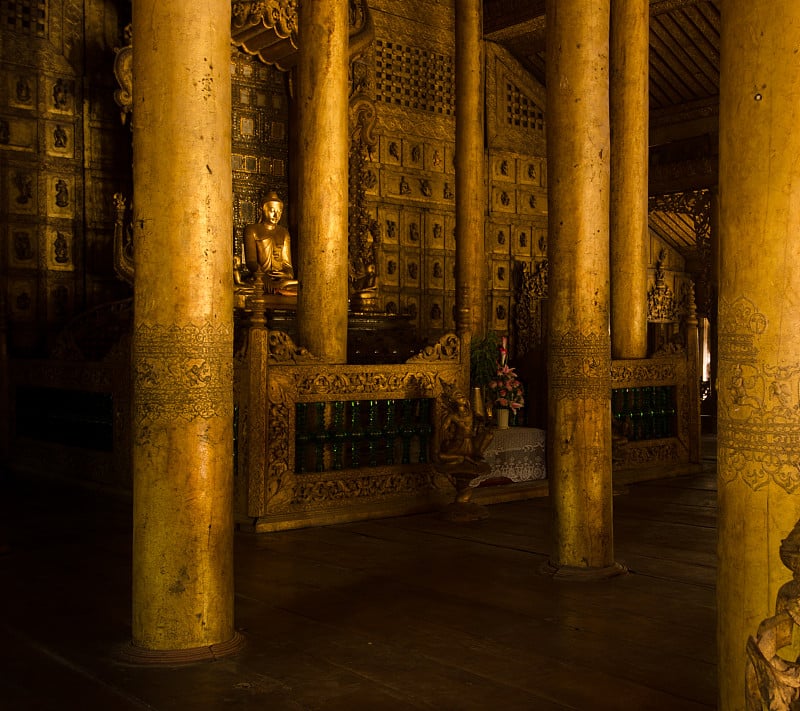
758 431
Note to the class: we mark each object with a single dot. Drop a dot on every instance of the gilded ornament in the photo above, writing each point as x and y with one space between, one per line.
448 347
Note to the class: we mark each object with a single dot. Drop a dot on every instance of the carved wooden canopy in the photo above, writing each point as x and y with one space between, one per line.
267 29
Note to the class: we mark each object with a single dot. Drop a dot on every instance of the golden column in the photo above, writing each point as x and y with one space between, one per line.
579 349
629 92
759 321
472 279
322 178
182 333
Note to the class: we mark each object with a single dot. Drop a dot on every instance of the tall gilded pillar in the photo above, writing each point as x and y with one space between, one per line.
322 200
759 321
630 116
579 348
182 333
472 278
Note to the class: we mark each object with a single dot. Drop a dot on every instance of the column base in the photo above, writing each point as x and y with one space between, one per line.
131 654
580 574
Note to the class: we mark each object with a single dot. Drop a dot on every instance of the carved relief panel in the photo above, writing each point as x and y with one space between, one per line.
22 246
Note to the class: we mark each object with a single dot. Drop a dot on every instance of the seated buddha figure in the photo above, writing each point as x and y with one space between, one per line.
267 248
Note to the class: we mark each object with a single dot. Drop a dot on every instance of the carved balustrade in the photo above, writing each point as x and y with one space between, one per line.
655 410
319 443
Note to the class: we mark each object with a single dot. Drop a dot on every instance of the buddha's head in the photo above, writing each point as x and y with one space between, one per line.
272 208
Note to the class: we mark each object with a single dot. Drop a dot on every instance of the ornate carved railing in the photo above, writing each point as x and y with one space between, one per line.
655 411
320 443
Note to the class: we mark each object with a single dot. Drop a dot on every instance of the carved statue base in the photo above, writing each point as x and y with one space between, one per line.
460 474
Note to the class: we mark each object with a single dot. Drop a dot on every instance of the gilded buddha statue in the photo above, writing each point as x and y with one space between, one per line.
267 248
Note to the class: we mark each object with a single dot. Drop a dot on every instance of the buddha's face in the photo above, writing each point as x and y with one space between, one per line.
273 211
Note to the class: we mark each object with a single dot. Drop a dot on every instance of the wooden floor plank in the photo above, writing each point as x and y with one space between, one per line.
403 613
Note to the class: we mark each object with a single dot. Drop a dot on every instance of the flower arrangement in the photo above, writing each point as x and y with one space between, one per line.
506 387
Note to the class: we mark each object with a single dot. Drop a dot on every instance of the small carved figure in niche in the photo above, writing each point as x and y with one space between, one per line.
531 171
523 239
391 266
370 180
437 158
394 150
416 153
436 312
23 301
413 232
504 168
501 237
501 312
437 230
24 184
413 270
425 187
532 201
391 229
463 438
60 94
405 188
61 248
542 244
365 287
267 247
391 307
437 270
448 192
23 249
5 132
412 310
59 137
501 273
24 92
62 193
505 199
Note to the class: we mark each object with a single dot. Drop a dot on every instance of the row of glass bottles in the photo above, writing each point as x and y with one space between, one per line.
361 433
644 413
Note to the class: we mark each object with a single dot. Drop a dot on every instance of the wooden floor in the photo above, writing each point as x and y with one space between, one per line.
404 613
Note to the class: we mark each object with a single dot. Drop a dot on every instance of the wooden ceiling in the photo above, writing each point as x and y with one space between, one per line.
684 47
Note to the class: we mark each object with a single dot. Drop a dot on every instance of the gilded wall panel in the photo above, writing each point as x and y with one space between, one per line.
61 196
18 134
497 237
435 271
501 305
532 201
22 300
410 270
59 139
23 246
22 188
500 279
411 229
521 240
434 231
60 301
22 88
503 199
60 248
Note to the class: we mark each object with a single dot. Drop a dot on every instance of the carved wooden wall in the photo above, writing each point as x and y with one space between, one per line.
260 139
61 154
